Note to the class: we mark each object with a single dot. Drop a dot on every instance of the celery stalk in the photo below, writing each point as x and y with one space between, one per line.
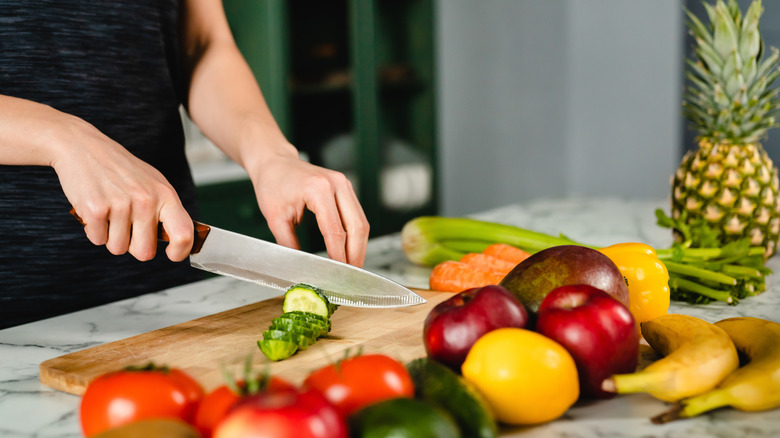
428 240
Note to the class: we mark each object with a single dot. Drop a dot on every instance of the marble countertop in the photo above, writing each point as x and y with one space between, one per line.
30 409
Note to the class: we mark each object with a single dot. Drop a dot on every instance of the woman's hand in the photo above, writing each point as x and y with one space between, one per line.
228 107
285 186
120 198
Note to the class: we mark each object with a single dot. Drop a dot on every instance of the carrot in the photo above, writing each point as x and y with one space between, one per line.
453 276
506 252
487 262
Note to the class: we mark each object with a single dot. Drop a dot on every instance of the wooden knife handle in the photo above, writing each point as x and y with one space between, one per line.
201 231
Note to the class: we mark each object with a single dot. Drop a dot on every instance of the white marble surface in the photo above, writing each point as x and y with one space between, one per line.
29 409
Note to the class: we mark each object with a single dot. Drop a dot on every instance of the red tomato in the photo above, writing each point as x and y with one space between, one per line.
215 405
123 397
359 381
284 414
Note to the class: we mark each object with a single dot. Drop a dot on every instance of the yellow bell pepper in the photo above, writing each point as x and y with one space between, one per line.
646 276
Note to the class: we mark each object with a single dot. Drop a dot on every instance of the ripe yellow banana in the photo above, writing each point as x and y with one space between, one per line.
753 387
697 356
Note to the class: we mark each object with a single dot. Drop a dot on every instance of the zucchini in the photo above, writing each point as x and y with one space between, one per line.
436 383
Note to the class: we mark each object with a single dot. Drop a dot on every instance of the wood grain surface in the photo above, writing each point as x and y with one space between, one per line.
202 347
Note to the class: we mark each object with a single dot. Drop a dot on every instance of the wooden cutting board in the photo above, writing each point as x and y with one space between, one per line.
202 347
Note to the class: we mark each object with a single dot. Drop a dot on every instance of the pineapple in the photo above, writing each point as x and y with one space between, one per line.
730 181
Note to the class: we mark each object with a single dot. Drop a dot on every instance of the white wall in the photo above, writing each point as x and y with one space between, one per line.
557 98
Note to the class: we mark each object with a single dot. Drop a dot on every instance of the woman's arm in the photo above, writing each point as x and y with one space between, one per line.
110 189
226 103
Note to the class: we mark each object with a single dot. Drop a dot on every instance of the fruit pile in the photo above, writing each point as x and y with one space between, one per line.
549 334
558 329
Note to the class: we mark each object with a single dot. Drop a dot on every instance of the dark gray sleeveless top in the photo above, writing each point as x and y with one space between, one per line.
115 64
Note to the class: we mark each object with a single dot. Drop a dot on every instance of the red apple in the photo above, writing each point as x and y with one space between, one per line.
597 329
452 327
283 414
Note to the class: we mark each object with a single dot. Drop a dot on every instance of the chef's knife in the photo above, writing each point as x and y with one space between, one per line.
235 255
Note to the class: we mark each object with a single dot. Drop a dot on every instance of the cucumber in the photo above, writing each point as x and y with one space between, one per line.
305 318
277 349
309 315
403 418
442 386
306 298
282 335
297 327
313 322
302 341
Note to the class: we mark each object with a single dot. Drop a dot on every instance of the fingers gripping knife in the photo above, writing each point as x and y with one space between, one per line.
246 258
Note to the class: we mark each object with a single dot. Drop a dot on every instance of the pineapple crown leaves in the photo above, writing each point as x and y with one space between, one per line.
730 96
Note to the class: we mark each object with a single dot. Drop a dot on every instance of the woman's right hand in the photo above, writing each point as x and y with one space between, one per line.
119 197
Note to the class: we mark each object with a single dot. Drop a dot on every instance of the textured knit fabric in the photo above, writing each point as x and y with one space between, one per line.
113 63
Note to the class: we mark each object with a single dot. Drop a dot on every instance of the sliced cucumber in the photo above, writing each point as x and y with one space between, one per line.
309 315
306 298
277 349
305 318
324 327
282 335
297 327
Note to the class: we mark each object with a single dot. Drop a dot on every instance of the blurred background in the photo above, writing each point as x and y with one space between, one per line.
457 106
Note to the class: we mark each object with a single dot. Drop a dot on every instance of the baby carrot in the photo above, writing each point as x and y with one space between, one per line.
454 276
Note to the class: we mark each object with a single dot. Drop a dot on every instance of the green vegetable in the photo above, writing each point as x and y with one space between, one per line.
306 318
402 418
306 298
697 275
440 385
277 349
295 327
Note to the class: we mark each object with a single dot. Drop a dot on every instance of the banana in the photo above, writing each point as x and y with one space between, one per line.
697 356
753 387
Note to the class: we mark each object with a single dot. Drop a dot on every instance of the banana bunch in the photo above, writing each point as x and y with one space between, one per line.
698 355
753 387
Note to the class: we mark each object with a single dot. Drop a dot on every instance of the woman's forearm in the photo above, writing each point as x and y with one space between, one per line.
224 98
30 132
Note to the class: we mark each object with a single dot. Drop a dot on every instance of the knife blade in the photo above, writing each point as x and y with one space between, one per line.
235 255
254 260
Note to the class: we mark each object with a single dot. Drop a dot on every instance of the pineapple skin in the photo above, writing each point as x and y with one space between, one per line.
734 187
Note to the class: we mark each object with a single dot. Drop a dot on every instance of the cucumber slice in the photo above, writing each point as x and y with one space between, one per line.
309 315
302 341
277 349
440 385
282 335
296 327
324 327
306 298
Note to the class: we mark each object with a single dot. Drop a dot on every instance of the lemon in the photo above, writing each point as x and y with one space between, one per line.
527 378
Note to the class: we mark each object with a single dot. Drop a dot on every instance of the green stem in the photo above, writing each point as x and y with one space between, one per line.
704 274
742 271
705 253
691 286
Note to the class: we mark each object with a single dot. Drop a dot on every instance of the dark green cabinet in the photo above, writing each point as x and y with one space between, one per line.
351 83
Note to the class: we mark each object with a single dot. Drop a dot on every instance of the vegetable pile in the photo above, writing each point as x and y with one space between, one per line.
713 272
